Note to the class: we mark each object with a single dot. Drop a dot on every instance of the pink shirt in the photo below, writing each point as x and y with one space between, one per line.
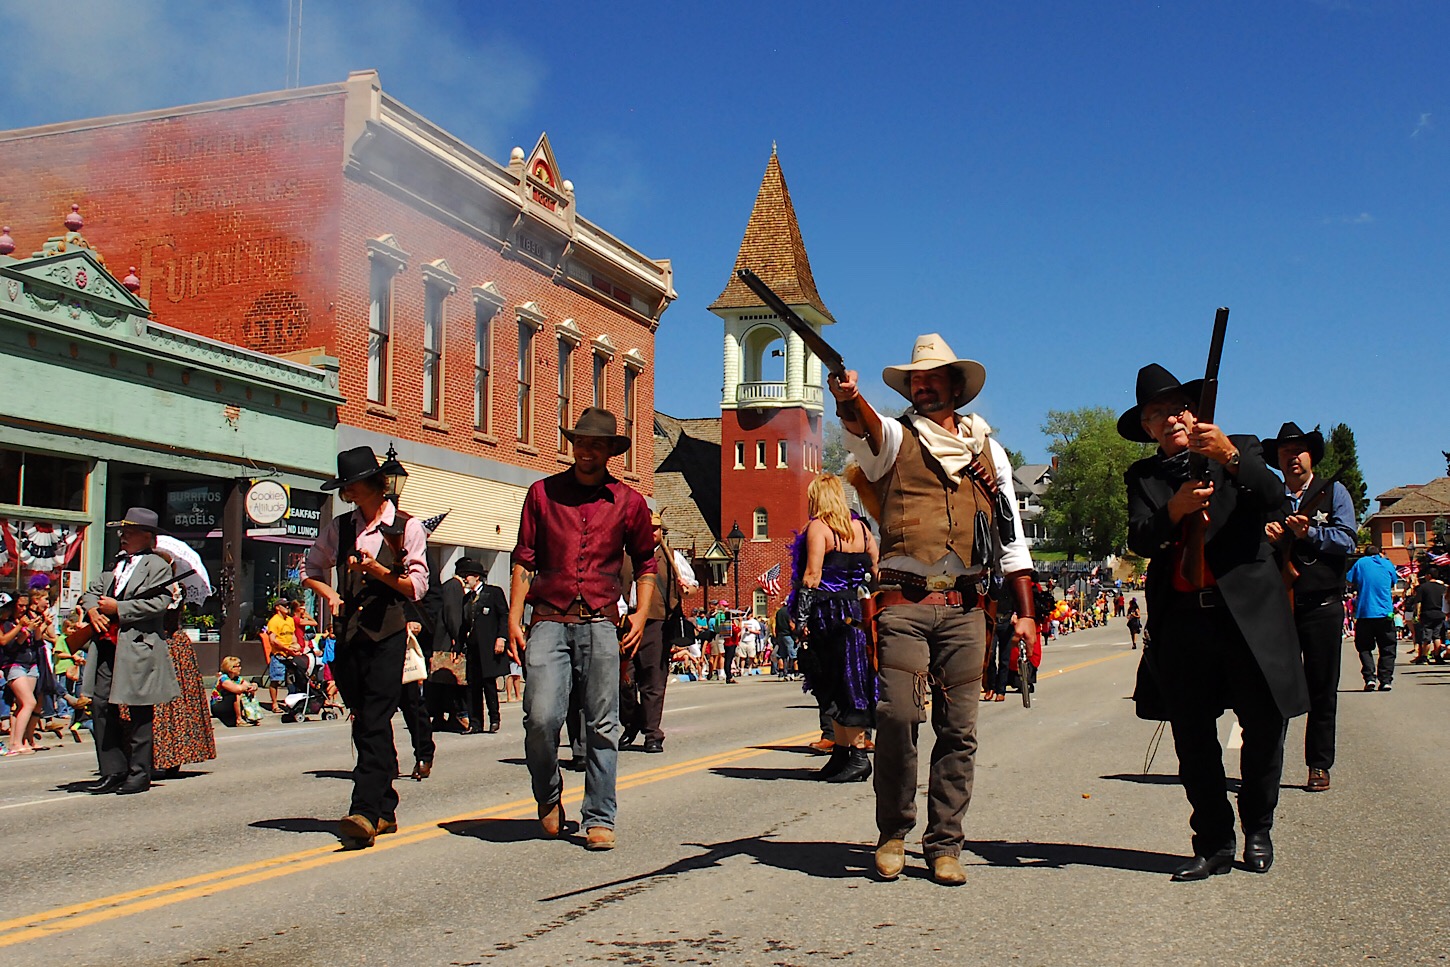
323 555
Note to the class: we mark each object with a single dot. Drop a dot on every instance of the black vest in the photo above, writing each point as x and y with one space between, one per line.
371 610
1321 573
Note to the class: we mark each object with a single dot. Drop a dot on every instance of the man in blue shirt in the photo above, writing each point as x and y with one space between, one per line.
1316 533
1374 577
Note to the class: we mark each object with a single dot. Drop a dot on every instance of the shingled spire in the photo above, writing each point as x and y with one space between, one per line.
773 248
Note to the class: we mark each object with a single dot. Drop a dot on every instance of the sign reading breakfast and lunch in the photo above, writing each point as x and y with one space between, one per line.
266 502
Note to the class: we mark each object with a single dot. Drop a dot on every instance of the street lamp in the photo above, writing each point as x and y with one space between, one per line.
735 538
394 474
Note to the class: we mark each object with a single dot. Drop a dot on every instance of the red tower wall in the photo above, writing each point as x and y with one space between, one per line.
780 491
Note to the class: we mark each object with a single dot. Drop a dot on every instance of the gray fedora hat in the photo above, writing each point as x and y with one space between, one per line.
598 422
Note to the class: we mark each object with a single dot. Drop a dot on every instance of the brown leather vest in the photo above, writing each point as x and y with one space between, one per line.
924 514
370 609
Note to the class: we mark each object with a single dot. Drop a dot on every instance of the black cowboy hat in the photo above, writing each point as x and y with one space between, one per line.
467 565
1290 433
138 517
357 465
1153 381
598 422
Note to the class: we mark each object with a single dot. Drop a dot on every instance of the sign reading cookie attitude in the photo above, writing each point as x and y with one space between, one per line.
266 502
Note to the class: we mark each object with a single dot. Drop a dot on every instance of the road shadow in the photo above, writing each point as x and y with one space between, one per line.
1144 778
329 774
161 777
832 861
499 830
79 786
1056 856
298 824
768 775
794 749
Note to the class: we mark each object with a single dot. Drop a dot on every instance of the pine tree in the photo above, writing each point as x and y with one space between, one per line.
1341 456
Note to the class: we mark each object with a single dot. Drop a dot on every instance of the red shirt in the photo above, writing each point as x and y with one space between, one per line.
574 539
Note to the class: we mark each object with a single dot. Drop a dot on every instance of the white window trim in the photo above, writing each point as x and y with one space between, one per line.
739 454
439 283
487 301
759 454
782 454
384 255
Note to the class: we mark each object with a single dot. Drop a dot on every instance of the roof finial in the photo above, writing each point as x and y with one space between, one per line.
73 220
772 147
7 244
131 283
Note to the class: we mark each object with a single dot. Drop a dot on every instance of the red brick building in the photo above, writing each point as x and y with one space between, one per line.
473 309
1404 525
769 433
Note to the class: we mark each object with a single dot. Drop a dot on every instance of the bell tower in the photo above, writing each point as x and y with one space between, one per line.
771 401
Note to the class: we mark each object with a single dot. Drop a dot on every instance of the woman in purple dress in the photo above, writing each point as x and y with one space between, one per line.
834 566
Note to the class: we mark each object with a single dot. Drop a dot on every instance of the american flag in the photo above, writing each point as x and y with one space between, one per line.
1405 570
431 524
770 580
1441 560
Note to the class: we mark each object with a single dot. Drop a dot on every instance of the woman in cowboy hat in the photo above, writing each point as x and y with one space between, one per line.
1228 644
379 554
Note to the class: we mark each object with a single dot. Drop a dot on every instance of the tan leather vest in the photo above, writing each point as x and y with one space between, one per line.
924 514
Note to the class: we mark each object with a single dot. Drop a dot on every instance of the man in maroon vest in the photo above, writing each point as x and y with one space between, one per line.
948 516
574 532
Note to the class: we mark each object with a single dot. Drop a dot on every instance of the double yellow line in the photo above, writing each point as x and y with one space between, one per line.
48 923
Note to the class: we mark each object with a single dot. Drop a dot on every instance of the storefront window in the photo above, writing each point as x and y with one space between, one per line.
39 480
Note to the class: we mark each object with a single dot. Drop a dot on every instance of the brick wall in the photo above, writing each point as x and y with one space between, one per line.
369 212
780 491
230 216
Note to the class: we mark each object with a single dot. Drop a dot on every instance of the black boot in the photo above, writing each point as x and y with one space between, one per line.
857 768
839 756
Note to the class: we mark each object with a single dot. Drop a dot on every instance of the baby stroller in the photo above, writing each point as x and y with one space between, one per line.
307 690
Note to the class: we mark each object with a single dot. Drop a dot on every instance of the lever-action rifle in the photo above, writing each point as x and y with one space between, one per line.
817 344
1196 525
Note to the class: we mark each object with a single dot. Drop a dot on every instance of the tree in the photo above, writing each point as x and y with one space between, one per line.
1440 529
833 448
1015 457
1340 456
1085 509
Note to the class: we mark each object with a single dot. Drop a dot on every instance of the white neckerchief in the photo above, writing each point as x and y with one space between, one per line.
123 574
953 450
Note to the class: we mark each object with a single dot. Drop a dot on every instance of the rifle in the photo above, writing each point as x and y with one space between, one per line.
824 351
1196 525
1289 571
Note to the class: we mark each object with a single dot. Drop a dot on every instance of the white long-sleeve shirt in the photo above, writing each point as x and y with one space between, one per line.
1014 556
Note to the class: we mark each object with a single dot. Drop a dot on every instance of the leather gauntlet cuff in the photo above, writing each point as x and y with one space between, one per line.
1021 582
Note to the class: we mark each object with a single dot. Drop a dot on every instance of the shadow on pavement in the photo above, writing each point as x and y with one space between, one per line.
1144 778
329 774
300 824
498 830
806 775
796 749
824 860
1058 855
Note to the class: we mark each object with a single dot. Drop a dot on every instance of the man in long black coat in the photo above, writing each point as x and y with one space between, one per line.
1231 644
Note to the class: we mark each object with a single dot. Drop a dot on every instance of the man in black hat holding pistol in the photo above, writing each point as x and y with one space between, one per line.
378 551
1225 638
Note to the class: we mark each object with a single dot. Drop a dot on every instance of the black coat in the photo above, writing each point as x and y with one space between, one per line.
487 615
1240 558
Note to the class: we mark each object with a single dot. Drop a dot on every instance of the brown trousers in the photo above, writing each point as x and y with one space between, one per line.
928 651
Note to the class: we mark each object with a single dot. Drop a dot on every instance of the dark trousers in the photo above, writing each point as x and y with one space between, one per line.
369 676
1321 641
122 747
482 691
730 662
642 684
1214 669
937 650
415 717
1372 633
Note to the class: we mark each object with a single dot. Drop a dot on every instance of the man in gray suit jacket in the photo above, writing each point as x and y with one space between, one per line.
130 664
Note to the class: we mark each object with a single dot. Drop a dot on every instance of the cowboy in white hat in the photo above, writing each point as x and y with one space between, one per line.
948 516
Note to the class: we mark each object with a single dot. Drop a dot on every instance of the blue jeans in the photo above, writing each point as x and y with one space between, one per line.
557 656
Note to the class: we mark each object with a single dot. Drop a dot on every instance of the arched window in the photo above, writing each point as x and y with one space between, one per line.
762 524
762 354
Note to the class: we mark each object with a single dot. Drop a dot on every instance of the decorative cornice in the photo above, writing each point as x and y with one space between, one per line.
489 294
386 249
532 313
603 345
568 330
439 273
635 360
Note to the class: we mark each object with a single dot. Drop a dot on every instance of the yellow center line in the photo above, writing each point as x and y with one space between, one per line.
64 919
1084 664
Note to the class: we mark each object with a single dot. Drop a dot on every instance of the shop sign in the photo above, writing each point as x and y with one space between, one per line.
304 521
193 508
266 502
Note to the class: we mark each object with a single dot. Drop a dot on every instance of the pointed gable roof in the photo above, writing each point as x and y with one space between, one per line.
774 250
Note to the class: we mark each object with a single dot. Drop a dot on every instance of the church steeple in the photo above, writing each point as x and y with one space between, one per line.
774 250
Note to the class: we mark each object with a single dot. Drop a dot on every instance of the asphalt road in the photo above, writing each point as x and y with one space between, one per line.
729 854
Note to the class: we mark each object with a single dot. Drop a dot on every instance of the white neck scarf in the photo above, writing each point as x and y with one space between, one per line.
953 450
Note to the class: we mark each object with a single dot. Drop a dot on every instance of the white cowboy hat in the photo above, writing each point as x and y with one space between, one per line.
930 352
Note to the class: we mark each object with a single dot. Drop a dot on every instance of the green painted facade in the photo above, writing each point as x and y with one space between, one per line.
86 373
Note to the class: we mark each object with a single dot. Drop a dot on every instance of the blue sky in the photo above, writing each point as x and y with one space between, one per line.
1065 191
